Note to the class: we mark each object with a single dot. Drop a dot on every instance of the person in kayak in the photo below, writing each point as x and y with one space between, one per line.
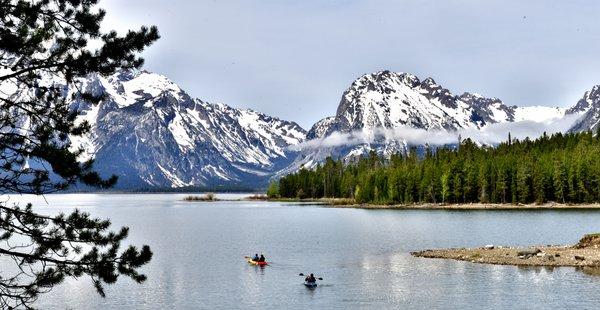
255 258
310 279
262 258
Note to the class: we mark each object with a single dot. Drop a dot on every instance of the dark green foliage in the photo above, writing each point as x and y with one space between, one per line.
561 168
40 42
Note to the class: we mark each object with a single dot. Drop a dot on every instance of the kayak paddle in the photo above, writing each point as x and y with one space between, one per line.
302 275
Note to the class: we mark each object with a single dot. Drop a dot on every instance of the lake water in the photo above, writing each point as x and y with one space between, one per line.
362 255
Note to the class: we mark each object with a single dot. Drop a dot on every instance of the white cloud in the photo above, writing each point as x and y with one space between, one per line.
492 134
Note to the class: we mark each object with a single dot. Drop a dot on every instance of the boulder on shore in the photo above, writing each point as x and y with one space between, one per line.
529 253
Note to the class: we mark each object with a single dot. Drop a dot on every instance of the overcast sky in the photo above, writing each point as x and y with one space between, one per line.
293 59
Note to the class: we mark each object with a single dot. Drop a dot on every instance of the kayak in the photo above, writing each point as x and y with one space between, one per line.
310 284
255 263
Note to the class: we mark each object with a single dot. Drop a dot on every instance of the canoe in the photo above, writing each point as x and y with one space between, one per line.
310 284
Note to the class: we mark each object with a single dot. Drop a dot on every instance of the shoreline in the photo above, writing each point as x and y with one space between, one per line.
586 253
550 256
472 206
348 203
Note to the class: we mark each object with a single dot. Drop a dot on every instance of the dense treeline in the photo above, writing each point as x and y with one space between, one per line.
562 168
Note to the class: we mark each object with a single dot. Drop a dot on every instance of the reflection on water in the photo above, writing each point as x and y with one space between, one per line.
362 255
592 271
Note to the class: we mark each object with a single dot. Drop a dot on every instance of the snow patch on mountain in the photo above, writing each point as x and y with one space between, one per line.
538 113
320 128
151 133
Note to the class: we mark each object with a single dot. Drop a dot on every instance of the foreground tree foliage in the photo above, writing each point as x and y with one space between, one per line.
563 168
42 42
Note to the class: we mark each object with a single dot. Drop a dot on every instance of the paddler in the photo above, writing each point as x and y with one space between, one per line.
262 258
255 258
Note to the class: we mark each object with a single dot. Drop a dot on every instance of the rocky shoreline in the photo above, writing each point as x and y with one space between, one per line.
586 253
351 203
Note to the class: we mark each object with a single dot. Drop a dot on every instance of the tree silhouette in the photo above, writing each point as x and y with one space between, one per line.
46 47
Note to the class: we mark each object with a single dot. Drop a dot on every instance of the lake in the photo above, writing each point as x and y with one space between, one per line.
362 255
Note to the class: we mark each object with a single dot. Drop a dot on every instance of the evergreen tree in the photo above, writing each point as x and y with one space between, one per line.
523 180
458 189
273 190
483 184
559 178
393 185
445 186
41 40
560 167
300 194
538 182
501 185
358 195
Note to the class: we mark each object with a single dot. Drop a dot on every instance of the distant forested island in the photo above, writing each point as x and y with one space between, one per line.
563 168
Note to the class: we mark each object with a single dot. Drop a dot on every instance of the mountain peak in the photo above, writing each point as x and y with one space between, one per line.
387 99
130 86
589 109
430 82
382 78
590 99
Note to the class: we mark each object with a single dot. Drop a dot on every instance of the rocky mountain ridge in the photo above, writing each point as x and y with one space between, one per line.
151 133
385 102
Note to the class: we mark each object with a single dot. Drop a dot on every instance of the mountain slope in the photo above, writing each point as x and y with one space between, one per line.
589 109
390 100
152 134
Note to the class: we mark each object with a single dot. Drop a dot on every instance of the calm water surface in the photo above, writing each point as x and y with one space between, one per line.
363 256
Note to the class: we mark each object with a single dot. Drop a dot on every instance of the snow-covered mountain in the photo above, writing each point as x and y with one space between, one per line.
151 133
589 108
391 101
